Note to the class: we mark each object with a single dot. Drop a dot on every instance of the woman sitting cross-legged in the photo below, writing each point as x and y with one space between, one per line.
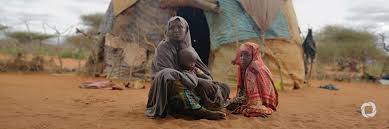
256 95
176 89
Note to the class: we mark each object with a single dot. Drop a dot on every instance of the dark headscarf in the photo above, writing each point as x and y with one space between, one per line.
187 40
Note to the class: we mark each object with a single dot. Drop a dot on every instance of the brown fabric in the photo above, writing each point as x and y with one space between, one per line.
121 5
292 21
137 31
207 5
290 57
97 84
140 24
263 12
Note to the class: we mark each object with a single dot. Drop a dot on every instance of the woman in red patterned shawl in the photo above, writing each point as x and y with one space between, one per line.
256 95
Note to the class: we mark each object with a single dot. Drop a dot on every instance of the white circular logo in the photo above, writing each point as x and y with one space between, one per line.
373 112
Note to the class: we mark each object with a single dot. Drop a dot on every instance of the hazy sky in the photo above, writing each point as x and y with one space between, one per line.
373 14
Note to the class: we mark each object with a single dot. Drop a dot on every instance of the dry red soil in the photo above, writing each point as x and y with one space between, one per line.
45 101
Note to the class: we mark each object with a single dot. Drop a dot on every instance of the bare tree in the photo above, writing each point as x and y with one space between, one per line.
26 22
94 52
382 40
58 35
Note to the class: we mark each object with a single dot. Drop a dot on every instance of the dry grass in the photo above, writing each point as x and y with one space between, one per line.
33 63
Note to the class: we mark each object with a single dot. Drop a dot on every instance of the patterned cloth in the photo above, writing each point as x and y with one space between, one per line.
185 95
257 95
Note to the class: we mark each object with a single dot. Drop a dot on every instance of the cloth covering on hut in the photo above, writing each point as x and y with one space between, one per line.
235 24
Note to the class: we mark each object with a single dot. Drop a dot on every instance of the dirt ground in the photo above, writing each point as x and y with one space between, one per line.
45 101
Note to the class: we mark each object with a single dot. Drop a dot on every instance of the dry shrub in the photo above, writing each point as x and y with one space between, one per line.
94 65
2 66
17 63
23 64
36 64
332 72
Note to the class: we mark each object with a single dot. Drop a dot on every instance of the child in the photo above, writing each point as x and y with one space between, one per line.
256 95
188 90
187 61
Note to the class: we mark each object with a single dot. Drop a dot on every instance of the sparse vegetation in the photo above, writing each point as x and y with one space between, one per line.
338 46
336 42
80 46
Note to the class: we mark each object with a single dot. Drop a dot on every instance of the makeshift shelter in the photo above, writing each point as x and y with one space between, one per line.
133 28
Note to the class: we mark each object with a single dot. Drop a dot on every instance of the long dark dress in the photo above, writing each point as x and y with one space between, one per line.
173 90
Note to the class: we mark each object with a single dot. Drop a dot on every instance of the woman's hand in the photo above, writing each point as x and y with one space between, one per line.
208 86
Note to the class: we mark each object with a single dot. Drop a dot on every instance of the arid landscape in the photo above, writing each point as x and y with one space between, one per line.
54 101
89 64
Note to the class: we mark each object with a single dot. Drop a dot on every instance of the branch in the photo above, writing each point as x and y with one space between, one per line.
79 31
58 32
53 28
26 23
383 38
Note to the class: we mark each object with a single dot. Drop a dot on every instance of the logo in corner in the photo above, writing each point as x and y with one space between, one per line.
373 111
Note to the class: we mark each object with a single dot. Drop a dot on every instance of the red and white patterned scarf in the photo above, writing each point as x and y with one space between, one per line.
259 85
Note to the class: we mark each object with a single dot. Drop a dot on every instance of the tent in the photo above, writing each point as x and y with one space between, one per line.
133 28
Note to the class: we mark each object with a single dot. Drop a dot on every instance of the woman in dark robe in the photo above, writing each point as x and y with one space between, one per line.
172 92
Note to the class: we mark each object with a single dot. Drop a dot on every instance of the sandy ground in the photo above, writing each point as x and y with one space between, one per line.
43 101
